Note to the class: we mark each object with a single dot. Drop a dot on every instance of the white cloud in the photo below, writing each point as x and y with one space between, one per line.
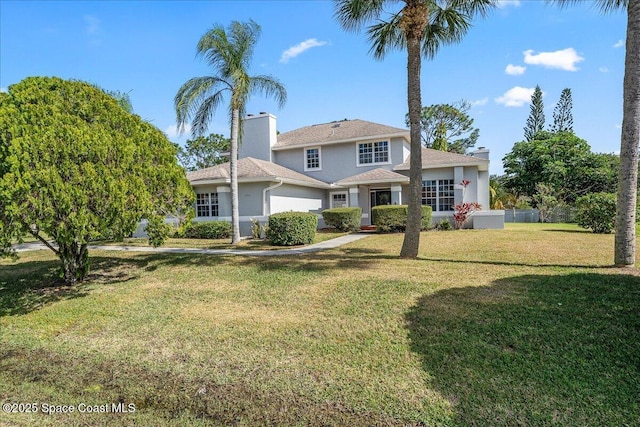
296 50
603 69
516 96
619 126
92 24
4 90
506 3
619 43
565 59
479 102
172 131
515 70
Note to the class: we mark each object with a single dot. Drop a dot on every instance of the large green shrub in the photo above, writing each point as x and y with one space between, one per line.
596 211
292 228
343 219
393 218
208 230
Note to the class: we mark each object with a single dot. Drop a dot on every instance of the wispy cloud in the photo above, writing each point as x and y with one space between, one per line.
92 24
619 43
515 70
506 3
603 69
479 102
516 96
172 131
296 50
565 59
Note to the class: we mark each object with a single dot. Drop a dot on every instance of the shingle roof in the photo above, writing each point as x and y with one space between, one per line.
253 169
436 159
372 176
333 132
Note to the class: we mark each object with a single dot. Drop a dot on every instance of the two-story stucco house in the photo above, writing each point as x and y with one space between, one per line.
343 163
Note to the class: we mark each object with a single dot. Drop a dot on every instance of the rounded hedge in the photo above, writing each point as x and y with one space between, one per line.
393 218
208 230
597 211
292 228
343 219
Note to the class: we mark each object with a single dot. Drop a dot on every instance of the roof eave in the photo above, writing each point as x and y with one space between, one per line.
404 135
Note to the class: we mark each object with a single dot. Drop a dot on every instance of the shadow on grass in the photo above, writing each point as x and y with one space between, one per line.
30 285
534 350
515 264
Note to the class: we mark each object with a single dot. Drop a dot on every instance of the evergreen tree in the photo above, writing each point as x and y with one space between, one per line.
562 116
535 122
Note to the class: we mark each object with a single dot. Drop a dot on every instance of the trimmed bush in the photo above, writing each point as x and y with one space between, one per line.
292 228
393 218
343 219
597 211
208 230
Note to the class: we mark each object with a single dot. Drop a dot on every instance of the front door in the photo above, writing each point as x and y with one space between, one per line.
379 197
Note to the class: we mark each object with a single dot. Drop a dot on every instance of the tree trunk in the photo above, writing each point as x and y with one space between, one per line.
233 166
75 261
625 240
411 241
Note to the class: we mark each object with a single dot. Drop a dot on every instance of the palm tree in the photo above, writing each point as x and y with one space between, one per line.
229 54
421 27
625 240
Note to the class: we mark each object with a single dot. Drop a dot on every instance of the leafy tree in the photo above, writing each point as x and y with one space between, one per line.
228 53
625 240
545 200
203 152
75 166
420 27
597 211
562 115
535 121
448 127
560 160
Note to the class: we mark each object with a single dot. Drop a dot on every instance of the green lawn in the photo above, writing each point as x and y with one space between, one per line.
524 326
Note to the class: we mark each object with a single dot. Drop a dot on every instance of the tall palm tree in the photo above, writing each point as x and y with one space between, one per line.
421 27
625 240
229 54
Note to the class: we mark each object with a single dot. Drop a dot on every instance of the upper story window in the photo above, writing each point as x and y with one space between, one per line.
207 204
372 153
438 194
312 159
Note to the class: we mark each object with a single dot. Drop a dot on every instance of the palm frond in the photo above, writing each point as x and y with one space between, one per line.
270 87
194 92
606 6
385 36
204 113
354 14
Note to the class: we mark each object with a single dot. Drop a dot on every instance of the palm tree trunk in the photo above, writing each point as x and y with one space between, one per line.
411 241
625 240
233 166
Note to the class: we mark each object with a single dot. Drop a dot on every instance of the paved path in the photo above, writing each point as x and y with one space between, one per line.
316 247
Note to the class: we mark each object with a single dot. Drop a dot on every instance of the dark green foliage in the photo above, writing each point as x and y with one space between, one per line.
292 228
343 219
444 225
203 152
562 115
393 218
208 230
535 122
597 212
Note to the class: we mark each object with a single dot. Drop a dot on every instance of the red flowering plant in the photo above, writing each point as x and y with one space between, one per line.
464 210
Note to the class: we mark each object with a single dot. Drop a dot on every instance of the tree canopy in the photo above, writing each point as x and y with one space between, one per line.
203 152
75 166
448 127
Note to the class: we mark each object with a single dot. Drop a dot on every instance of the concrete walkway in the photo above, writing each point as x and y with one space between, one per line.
316 247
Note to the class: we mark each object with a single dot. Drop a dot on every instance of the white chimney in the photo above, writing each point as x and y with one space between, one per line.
258 136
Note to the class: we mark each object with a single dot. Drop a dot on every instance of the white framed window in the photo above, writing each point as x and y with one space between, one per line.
207 205
339 199
373 153
312 159
439 194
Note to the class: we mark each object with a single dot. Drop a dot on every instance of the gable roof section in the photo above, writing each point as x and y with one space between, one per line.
336 132
373 177
253 170
432 159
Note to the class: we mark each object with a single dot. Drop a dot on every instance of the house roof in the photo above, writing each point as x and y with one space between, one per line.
432 159
253 170
374 176
336 132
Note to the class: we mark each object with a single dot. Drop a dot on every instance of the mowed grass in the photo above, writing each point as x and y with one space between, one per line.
524 326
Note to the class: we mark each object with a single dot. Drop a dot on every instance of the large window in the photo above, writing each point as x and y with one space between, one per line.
371 153
207 205
339 200
438 194
312 159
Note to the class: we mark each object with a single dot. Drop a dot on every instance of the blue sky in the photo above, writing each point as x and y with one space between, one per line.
147 48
